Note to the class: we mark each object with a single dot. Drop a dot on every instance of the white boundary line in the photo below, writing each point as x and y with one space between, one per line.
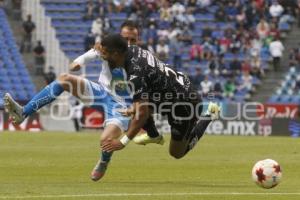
148 194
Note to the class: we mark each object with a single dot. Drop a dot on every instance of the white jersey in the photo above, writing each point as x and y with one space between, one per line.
113 81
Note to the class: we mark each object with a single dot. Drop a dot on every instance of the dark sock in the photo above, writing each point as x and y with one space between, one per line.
198 132
105 156
150 128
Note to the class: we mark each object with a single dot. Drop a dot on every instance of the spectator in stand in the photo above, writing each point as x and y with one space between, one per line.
256 46
186 36
218 91
115 6
162 50
229 89
90 7
89 41
16 8
206 32
206 86
190 18
163 33
246 66
294 56
107 26
251 14
177 49
97 29
28 28
197 78
177 9
220 14
77 107
246 81
213 66
174 31
235 67
196 52
224 44
241 16
151 32
207 48
151 45
165 12
287 17
274 32
297 86
256 67
39 56
231 11
276 10
236 44
101 8
262 29
276 49
50 76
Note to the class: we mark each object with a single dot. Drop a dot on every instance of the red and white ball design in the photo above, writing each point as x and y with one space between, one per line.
266 173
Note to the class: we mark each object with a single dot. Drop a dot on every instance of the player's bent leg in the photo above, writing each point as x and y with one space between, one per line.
198 130
111 131
65 82
177 149
74 84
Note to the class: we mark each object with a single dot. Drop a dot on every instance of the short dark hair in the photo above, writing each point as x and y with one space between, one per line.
130 24
115 42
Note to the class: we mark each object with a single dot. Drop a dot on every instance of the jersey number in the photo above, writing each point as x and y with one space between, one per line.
179 75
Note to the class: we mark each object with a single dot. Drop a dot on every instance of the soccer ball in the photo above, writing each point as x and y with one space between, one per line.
266 173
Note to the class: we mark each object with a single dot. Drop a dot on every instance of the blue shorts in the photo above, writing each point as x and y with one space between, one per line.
97 97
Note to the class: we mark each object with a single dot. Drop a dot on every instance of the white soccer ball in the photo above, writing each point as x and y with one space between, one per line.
266 173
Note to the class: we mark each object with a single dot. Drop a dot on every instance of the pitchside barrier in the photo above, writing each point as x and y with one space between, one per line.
247 119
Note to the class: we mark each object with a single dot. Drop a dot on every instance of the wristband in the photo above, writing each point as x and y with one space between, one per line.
125 140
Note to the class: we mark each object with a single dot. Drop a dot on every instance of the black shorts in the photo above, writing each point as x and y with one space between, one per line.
183 118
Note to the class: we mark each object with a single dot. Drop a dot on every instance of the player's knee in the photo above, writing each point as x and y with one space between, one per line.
64 77
104 138
176 154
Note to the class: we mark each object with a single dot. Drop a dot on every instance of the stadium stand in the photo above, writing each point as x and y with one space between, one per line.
14 77
289 91
233 36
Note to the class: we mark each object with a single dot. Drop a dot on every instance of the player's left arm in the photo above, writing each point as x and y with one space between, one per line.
141 108
84 59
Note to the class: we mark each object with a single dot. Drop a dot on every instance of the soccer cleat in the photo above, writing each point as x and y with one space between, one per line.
99 170
144 139
213 111
14 109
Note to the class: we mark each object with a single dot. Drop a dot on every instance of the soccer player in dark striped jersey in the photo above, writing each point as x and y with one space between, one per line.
157 85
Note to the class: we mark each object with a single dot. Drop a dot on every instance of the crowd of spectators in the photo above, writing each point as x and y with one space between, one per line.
198 35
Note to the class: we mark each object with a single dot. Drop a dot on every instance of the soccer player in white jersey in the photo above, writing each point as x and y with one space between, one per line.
110 93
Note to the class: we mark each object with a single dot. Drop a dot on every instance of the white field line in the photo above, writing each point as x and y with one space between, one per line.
149 194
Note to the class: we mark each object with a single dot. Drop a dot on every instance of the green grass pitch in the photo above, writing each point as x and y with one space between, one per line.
57 166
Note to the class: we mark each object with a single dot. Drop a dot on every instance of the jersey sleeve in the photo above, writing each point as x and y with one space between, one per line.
87 57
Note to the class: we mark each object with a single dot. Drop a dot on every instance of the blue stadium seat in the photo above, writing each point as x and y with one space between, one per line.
11 64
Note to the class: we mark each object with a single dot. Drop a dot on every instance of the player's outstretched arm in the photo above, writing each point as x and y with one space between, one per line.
84 59
141 115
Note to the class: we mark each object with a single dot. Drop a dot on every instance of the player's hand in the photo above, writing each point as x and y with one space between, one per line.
126 112
111 145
